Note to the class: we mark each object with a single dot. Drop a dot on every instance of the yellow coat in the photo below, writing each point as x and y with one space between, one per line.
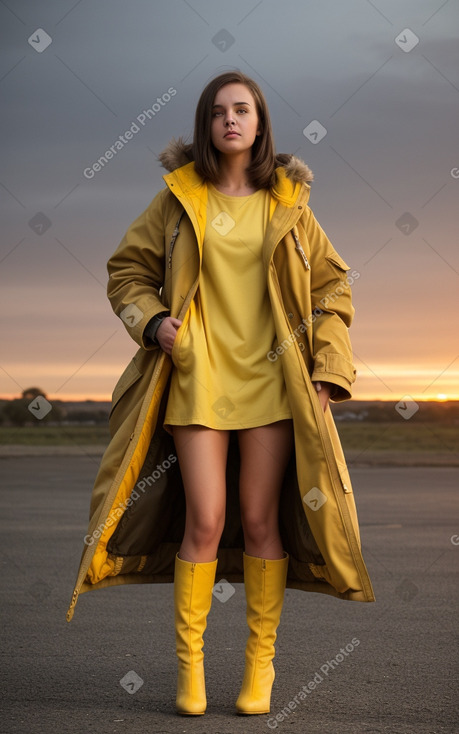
137 510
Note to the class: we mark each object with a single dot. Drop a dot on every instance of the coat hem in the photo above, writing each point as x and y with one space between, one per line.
321 587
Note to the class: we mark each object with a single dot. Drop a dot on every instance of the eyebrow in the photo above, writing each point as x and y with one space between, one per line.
235 104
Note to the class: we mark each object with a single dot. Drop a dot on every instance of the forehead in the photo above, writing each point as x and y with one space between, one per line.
232 93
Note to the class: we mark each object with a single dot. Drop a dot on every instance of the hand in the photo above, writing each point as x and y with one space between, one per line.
166 333
323 393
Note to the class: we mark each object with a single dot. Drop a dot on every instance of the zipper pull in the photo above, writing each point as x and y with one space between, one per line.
301 251
171 246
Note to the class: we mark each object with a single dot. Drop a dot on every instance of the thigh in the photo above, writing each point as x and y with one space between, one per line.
265 452
202 454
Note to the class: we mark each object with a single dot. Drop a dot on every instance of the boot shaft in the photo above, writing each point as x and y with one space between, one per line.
193 584
265 582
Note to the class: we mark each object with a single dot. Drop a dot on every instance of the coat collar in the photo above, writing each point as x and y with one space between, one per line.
290 194
293 176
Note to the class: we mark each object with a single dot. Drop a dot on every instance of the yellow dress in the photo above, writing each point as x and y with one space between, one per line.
230 321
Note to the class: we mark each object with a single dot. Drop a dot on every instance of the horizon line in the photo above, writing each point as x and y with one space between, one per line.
439 398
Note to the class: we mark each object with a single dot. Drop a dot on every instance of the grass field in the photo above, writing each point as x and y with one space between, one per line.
44 435
404 437
355 435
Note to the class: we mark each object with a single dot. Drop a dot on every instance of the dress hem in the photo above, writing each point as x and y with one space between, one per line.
256 423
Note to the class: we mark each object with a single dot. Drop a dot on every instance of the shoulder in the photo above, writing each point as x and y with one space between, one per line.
164 204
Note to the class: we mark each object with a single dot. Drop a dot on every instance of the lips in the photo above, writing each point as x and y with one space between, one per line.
231 133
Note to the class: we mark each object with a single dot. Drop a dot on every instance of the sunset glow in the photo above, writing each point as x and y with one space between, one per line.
96 382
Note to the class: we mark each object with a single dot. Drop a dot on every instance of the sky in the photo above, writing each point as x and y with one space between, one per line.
381 78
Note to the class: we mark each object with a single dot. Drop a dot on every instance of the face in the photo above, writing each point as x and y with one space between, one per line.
235 122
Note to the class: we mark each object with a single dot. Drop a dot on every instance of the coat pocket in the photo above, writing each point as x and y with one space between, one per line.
176 347
184 345
336 260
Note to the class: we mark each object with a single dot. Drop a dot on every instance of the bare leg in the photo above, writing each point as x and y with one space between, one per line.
202 453
265 452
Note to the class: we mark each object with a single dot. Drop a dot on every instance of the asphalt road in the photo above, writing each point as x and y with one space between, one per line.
399 674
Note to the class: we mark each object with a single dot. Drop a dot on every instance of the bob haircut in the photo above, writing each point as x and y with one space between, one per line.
261 169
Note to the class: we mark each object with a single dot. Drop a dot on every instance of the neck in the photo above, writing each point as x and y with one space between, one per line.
233 176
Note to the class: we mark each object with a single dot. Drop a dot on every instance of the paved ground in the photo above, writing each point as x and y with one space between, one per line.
400 677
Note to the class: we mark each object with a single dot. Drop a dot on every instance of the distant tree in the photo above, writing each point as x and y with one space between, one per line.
2 414
33 392
18 411
15 411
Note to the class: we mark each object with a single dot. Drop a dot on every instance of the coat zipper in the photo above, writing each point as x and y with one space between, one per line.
175 234
300 250
324 436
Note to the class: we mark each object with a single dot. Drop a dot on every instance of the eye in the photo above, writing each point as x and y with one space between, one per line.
243 110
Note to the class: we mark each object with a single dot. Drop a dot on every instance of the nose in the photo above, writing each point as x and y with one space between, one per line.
229 119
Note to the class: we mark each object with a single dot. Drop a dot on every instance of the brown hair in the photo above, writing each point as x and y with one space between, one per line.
262 166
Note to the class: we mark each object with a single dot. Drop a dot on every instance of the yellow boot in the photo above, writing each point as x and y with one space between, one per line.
193 583
265 582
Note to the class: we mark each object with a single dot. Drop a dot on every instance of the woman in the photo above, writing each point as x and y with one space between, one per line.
230 283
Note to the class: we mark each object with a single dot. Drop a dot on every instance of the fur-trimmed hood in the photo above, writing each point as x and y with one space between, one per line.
178 154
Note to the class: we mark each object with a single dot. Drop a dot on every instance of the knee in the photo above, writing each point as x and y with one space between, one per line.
206 529
257 528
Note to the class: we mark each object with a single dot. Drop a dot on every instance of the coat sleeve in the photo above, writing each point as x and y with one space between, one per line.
136 272
333 312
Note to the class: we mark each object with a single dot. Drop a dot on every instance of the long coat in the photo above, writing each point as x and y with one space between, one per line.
137 511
